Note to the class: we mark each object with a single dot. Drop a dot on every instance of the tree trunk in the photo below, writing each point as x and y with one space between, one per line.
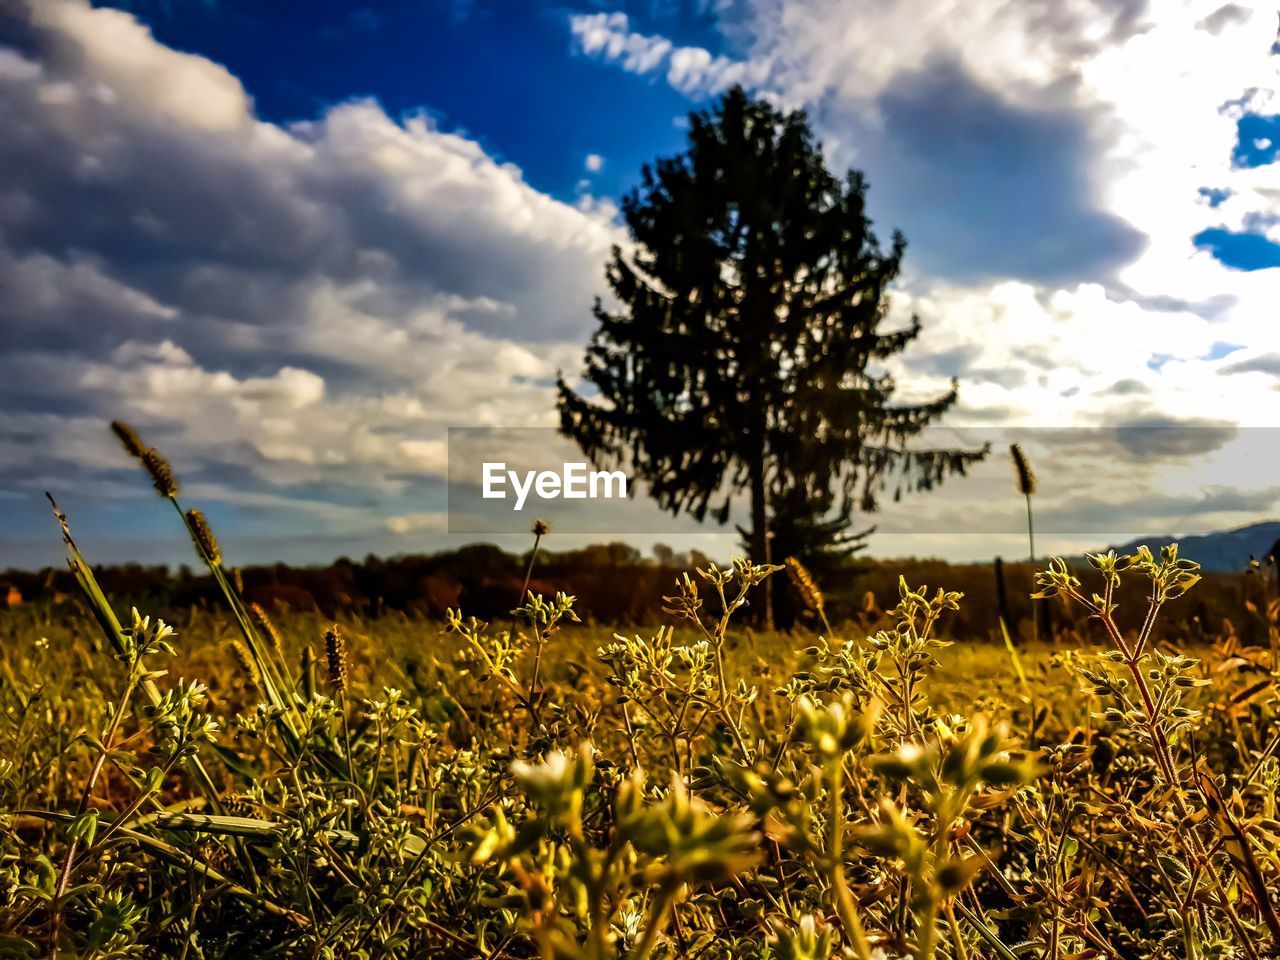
1002 599
760 532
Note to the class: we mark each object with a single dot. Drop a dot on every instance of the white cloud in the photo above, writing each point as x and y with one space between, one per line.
691 70
294 313
606 34
138 73
1147 82
1076 357
410 523
1137 90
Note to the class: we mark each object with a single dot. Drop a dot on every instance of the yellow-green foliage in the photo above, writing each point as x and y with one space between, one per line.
537 788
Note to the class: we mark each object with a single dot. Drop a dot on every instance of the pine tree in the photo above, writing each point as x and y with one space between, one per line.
741 358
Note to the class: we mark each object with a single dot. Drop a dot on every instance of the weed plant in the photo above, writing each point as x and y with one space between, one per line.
511 792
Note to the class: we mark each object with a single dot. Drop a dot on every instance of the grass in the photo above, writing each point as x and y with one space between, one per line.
62 647
542 788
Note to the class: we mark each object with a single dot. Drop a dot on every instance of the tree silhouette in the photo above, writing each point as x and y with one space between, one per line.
751 304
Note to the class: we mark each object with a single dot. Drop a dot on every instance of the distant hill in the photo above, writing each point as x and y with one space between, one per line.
1227 551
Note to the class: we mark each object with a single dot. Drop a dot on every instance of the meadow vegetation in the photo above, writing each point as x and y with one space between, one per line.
247 784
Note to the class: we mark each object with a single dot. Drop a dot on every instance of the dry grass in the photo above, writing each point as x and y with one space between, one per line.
398 788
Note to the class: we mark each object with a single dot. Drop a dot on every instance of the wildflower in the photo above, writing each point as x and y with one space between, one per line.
807 940
833 728
540 528
557 783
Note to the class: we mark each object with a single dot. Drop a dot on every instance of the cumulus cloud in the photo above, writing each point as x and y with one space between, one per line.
607 35
1049 164
816 51
972 127
293 312
985 189
1267 363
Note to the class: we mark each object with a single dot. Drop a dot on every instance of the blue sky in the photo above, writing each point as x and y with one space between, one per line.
502 73
294 243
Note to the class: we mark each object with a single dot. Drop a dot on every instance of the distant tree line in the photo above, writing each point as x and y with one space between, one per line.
614 581
616 584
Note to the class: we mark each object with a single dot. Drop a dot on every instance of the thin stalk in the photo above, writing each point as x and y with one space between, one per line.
535 676
272 677
346 748
927 934
716 640
1031 531
134 806
528 570
846 908
659 917
114 632
1163 754
68 862
1031 546
962 952
990 937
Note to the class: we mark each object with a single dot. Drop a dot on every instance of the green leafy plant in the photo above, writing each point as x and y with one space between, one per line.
561 790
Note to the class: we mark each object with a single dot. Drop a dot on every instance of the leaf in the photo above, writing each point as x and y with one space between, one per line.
236 763
1173 868
1248 693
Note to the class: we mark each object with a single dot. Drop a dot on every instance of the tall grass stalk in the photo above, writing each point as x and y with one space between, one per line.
568 792
273 678
1026 484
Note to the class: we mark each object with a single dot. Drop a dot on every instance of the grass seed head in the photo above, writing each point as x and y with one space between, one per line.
805 585
129 439
540 528
265 626
156 465
161 473
245 659
335 646
201 533
1026 476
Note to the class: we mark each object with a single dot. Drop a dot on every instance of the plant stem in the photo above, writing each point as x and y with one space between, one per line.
1163 753
846 908
1031 531
985 932
528 572
962 952
659 916
1031 545
108 737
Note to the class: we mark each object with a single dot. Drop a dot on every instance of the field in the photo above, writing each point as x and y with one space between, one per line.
239 783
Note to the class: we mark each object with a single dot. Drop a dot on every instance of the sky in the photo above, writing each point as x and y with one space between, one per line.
293 243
